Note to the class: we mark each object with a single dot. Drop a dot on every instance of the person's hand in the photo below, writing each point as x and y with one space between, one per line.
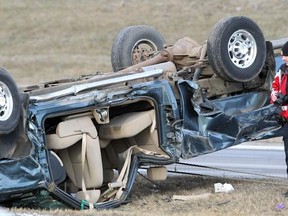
273 97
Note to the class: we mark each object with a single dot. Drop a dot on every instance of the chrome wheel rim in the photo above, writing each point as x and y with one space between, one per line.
242 48
6 102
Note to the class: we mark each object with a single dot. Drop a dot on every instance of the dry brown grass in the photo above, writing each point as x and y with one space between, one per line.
148 199
46 40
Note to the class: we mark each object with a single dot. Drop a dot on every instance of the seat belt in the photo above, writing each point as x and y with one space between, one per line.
115 189
91 196
83 156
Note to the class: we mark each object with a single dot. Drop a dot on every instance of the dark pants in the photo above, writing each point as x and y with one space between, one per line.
285 139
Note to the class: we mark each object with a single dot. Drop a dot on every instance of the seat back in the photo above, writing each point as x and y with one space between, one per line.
68 142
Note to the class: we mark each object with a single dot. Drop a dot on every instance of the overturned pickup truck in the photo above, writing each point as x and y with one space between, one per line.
83 139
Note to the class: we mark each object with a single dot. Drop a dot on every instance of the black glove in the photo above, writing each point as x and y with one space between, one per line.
281 100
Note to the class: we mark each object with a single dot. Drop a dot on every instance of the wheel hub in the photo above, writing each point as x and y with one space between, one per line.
142 51
243 49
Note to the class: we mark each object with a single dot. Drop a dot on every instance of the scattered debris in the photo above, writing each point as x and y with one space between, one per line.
191 197
223 203
223 188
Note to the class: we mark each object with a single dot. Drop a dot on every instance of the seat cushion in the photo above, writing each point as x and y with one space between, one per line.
126 125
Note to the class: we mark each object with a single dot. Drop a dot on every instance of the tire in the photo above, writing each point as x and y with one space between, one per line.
135 44
236 49
10 103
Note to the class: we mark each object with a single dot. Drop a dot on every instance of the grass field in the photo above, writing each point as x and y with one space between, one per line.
47 40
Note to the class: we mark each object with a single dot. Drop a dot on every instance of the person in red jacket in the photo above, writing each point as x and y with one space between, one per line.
279 96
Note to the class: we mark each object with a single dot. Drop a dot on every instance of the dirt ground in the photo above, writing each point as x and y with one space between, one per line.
47 40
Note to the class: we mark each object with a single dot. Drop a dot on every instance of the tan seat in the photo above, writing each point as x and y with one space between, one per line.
120 132
68 140
127 125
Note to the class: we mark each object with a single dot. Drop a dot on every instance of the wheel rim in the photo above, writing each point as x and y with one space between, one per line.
142 50
242 49
6 102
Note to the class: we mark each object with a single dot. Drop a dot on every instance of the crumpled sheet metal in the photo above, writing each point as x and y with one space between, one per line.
222 123
19 175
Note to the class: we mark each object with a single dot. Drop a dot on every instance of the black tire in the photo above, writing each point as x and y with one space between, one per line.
10 103
135 44
236 49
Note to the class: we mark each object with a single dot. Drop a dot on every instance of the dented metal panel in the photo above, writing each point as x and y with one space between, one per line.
213 125
19 176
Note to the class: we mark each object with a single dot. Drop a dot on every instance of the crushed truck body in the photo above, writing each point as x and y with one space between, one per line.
83 140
